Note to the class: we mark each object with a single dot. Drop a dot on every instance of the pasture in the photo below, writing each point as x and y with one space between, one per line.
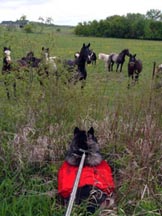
36 126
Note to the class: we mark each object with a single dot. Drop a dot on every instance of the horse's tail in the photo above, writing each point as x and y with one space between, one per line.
110 59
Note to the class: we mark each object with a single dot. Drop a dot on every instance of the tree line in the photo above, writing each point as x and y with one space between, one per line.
133 26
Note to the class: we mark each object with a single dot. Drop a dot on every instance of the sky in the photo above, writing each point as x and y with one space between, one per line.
72 12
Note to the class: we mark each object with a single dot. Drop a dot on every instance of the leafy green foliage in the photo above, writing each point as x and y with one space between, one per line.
136 26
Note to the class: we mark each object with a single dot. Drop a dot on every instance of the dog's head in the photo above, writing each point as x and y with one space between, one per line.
84 141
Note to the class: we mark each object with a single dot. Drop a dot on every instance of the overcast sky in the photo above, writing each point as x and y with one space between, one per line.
71 12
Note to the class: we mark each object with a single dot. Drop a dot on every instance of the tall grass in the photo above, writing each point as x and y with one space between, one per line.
37 125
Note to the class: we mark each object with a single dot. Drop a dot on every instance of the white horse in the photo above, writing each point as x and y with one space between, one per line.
158 76
104 57
49 60
7 53
159 68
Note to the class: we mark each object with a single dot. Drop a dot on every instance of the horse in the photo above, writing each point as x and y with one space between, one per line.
134 68
76 55
91 57
83 59
159 68
96 185
104 57
29 60
119 59
158 76
71 64
7 68
43 65
48 60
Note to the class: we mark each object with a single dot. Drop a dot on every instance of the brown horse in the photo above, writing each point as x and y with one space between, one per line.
134 68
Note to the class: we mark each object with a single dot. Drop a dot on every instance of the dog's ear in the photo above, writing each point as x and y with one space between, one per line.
91 131
91 134
76 130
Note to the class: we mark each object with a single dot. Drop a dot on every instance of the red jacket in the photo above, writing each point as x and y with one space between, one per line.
99 176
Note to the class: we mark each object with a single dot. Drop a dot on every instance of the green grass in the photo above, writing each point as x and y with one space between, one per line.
39 124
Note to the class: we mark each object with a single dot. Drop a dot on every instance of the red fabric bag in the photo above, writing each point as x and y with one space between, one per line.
98 176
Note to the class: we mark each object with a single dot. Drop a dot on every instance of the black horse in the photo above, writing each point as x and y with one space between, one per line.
78 67
134 68
29 60
92 57
81 73
71 64
119 59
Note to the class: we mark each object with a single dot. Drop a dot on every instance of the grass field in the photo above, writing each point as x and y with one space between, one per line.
37 125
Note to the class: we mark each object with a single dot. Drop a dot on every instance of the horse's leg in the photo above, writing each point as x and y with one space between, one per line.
117 67
112 63
133 78
14 88
128 81
108 66
7 90
121 66
136 76
40 75
6 85
83 83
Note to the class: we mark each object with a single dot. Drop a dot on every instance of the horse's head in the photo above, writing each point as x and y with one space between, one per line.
132 59
85 53
45 53
29 56
7 54
92 56
126 52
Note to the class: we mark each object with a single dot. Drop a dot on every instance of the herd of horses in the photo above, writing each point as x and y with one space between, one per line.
26 63
77 65
47 64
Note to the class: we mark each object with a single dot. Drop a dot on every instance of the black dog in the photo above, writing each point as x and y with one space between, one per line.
85 141
96 182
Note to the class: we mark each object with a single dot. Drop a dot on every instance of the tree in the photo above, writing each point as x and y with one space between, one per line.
154 14
28 28
22 21
49 20
23 17
41 19
42 24
134 25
